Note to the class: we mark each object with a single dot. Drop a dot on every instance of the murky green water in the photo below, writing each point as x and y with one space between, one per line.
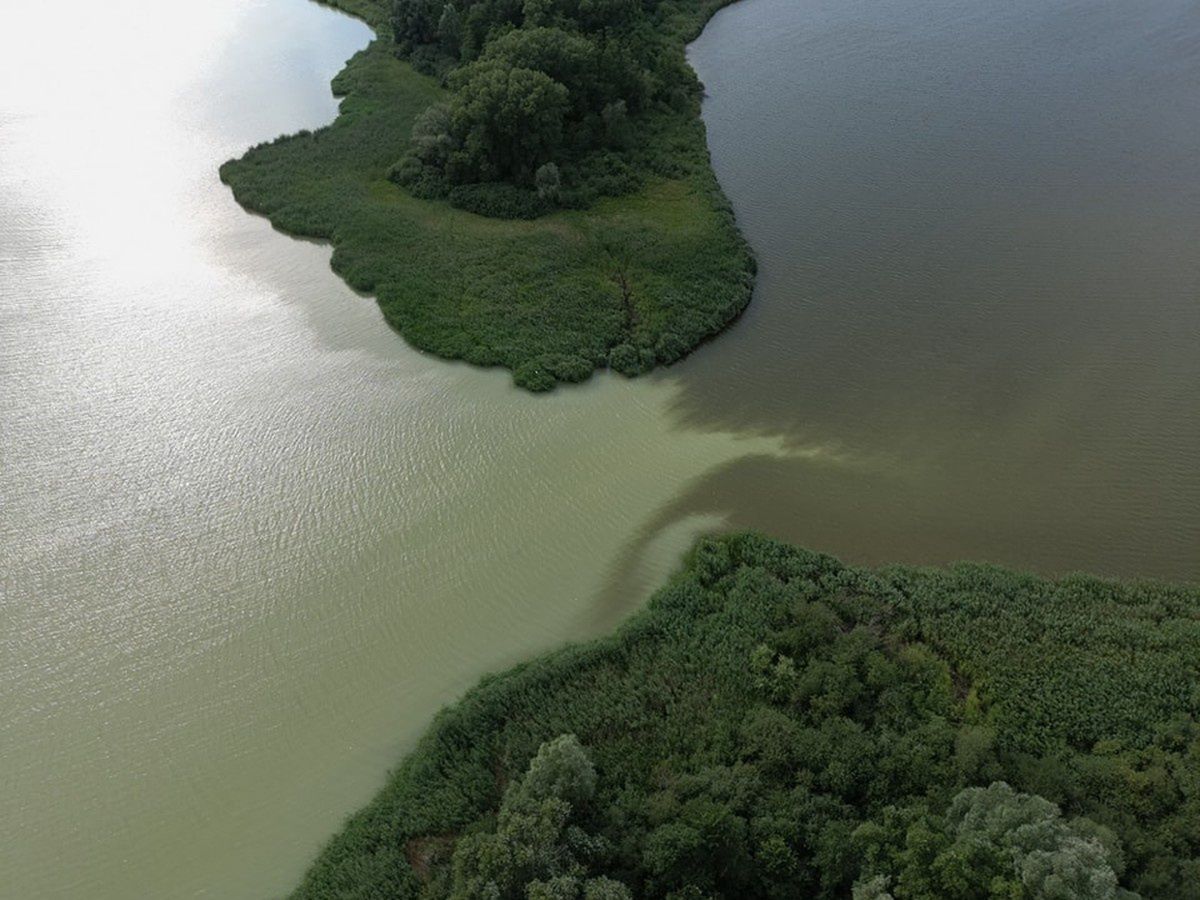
250 541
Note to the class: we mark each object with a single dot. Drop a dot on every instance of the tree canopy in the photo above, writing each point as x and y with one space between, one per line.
776 725
577 84
505 121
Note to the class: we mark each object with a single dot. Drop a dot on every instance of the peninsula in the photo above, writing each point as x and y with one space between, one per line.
776 724
519 184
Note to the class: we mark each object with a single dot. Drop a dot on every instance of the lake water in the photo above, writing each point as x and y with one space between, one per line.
979 284
250 541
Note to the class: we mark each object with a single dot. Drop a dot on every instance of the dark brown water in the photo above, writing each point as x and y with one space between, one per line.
979 294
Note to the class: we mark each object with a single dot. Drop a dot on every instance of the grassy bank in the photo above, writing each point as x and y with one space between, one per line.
776 724
648 275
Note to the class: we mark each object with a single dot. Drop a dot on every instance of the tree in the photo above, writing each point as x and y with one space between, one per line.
567 887
508 121
449 29
594 15
1053 858
872 889
996 842
431 138
570 59
415 21
616 124
537 851
605 889
548 181
537 12
562 769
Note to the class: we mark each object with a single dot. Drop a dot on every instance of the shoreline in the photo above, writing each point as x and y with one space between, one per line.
1003 686
632 282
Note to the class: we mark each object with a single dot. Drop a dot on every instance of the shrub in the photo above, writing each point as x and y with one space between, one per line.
566 367
624 358
505 120
669 348
548 182
498 200
534 376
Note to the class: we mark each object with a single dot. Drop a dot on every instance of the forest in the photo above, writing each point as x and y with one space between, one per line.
777 725
551 102
519 184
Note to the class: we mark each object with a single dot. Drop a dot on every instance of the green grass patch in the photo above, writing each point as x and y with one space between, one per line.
635 281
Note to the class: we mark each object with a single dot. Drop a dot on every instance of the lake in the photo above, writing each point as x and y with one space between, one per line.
977 288
251 541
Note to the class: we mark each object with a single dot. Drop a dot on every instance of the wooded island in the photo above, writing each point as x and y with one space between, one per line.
522 183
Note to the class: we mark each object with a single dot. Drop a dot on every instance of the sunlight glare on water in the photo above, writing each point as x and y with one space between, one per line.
250 540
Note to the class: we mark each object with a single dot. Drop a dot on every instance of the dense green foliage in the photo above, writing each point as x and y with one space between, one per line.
583 89
629 282
777 725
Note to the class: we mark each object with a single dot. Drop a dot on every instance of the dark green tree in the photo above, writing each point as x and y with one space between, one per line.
548 181
449 30
570 59
538 850
415 21
995 842
507 121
